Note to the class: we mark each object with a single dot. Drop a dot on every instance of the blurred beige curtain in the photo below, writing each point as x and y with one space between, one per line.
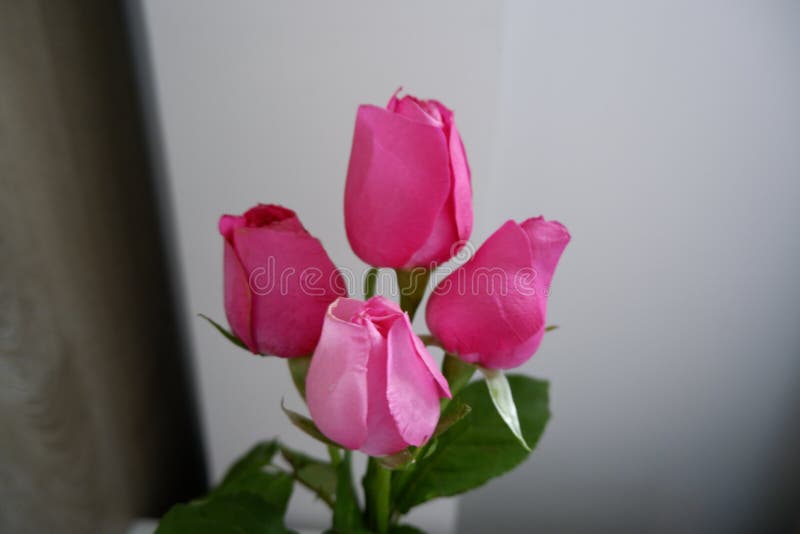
97 423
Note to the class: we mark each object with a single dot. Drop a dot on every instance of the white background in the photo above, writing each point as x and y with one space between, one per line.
665 135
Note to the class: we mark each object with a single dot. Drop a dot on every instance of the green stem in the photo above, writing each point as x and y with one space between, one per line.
347 515
430 341
368 483
333 452
370 283
457 373
412 284
383 491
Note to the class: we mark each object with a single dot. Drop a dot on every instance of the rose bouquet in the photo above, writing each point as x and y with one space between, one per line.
369 381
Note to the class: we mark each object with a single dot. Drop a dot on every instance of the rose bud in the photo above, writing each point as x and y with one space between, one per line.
278 281
372 384
408 198
491 310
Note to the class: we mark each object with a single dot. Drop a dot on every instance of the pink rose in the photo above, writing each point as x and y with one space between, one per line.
408 198
491 311
372 384
278 281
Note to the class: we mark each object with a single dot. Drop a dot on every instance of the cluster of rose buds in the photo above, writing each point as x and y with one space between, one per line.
372 385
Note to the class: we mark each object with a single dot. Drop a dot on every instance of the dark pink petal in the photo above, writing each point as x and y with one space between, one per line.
382 312
510 357
398 181
484 312
266 214
392 105
427 359
275 216
418 110
442 243
412 391
442 111
228 224
292 281
346 309
548 239
454 224
336 385
383 437
462 187
238 299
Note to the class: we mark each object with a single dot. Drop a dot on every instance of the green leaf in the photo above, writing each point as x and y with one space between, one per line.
226 514
258 456
252 497
405 529
480 448
503 401
316 475
298 367
349 531
253 473
274 488
457 373
456 413
347 516
551 328
306 425
448 419
225 332
452 416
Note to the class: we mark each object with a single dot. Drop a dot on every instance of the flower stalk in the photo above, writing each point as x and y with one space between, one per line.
383 490
411 285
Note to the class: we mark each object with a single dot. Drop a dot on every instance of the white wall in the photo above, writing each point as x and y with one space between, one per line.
666 135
